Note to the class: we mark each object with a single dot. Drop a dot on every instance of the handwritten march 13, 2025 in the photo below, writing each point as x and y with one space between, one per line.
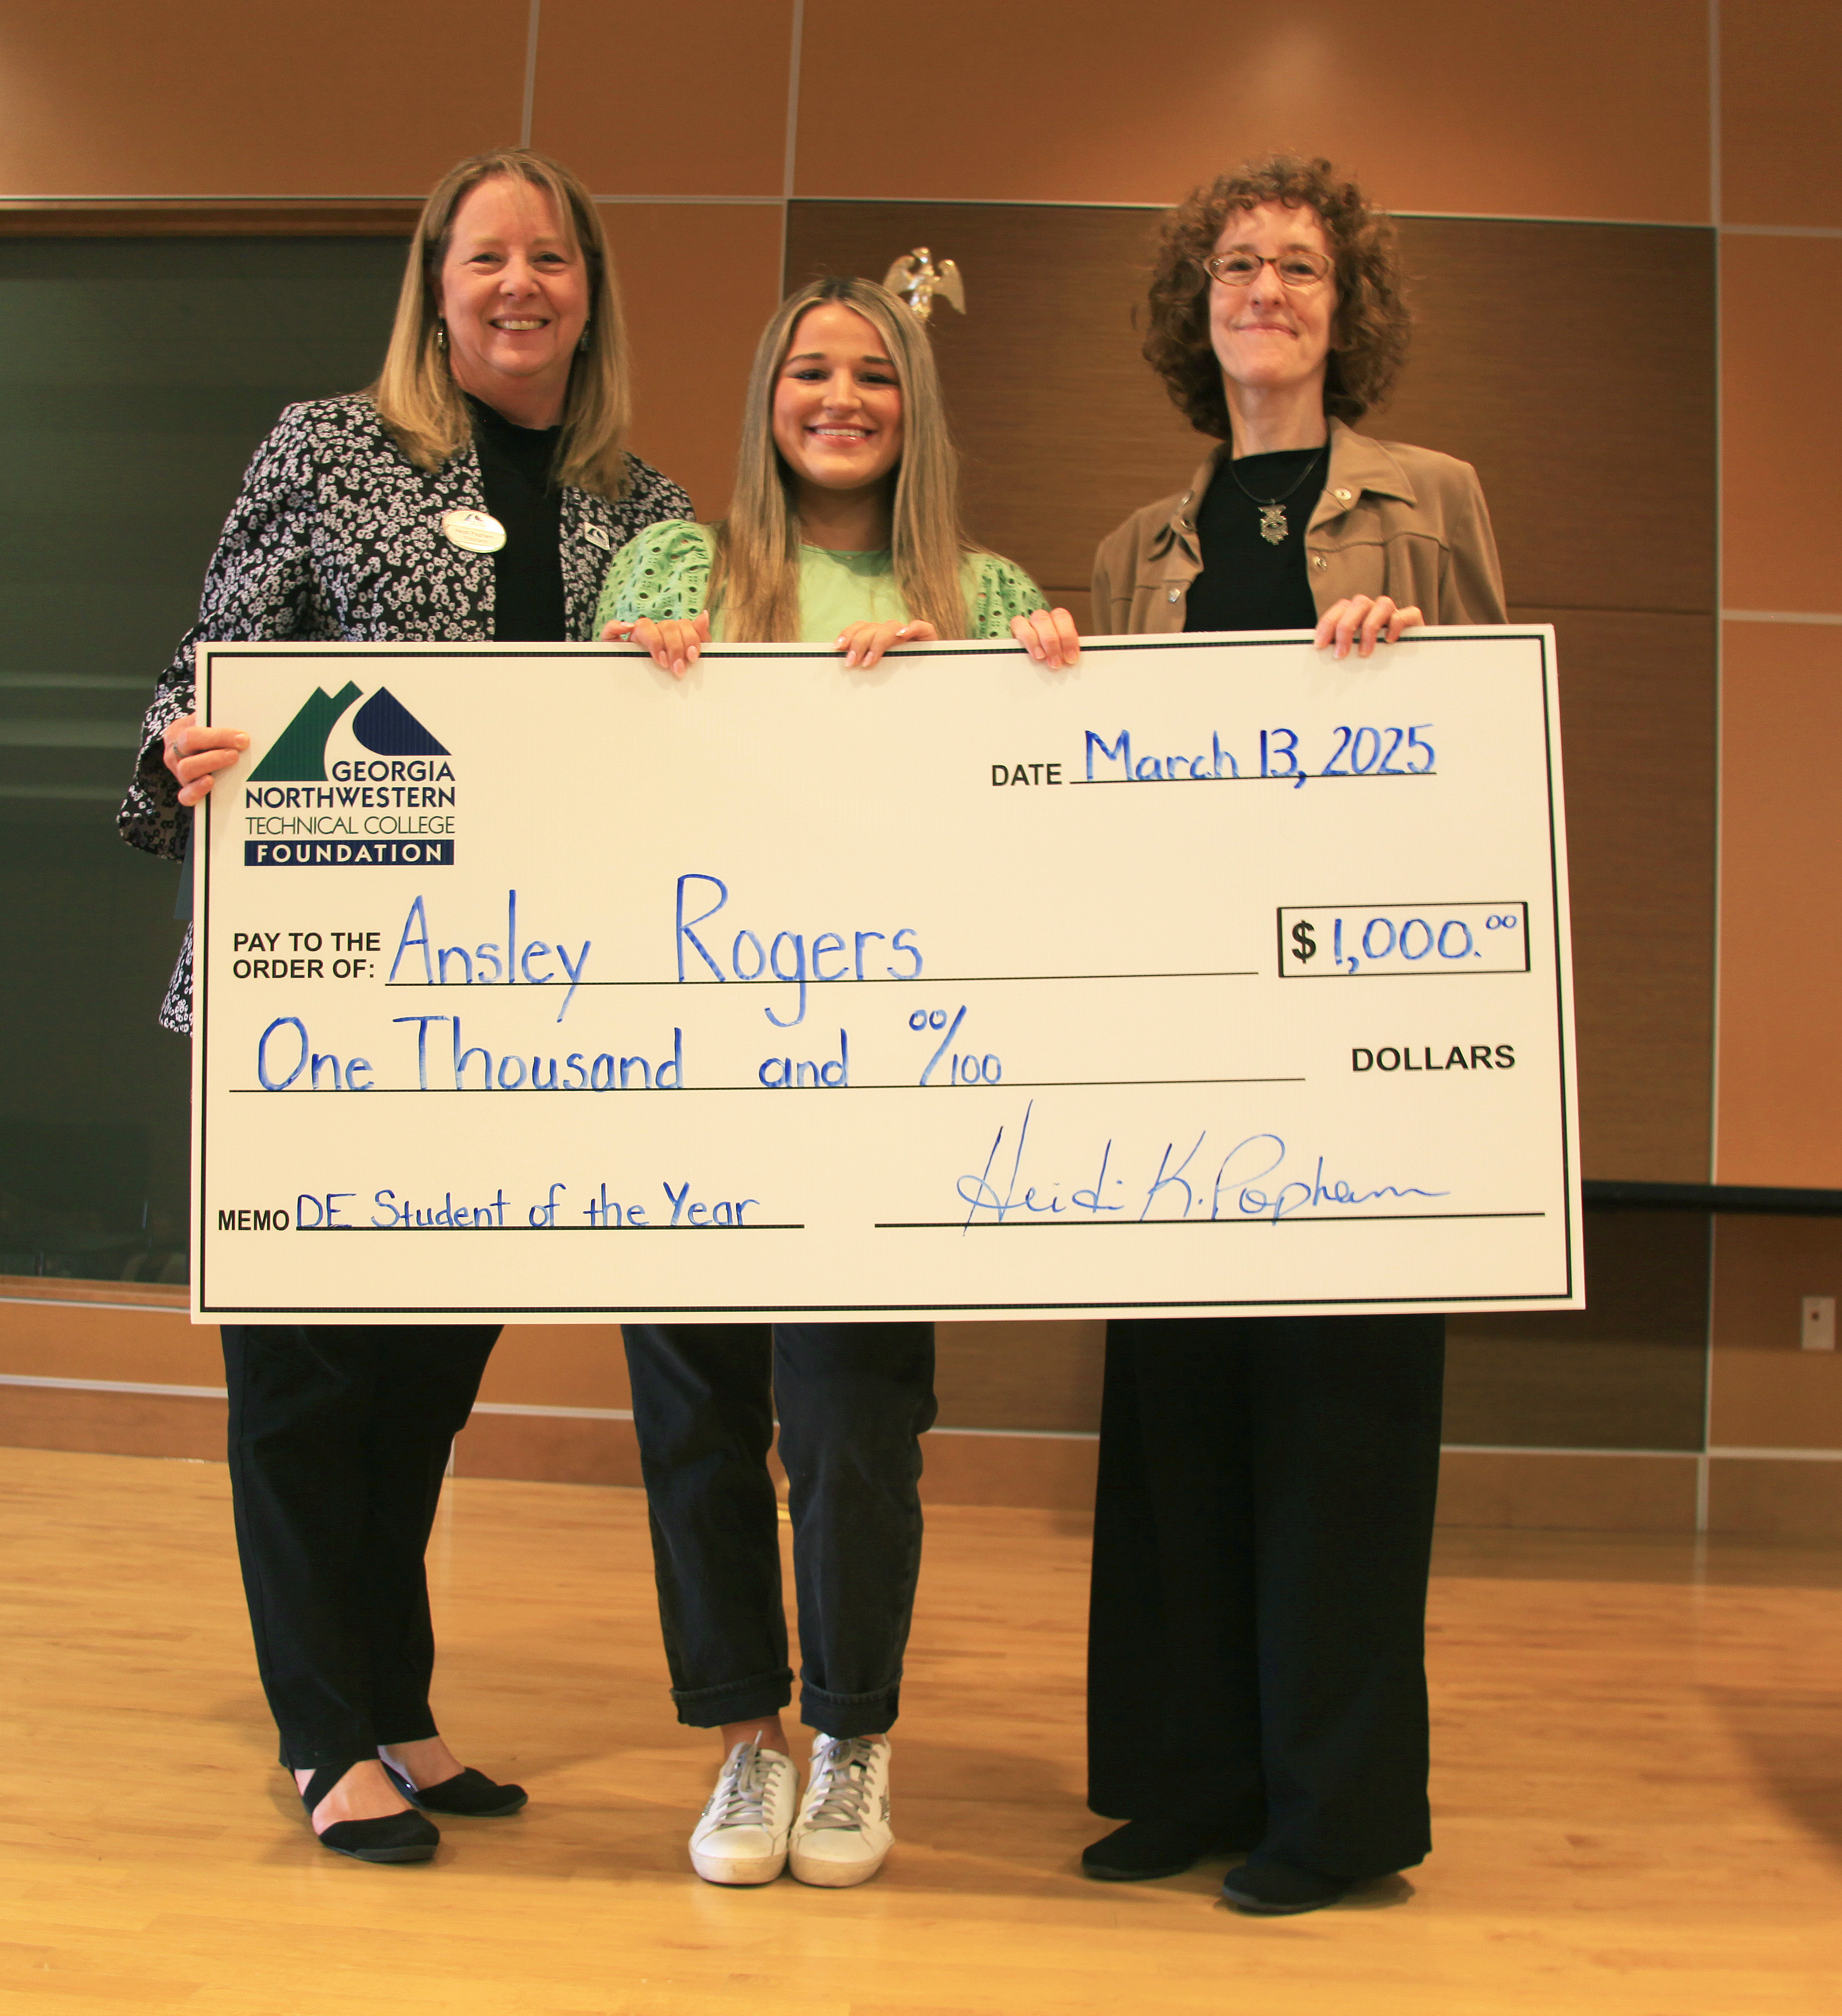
1210 976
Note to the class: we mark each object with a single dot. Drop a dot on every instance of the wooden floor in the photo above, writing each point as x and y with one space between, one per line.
1637 1791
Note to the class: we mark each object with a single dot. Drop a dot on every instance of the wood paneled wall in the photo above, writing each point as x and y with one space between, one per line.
1570 109
1703 113
690 361
1062 429
254 98
1628 1372
1780 193
1781 1062
1564 353
1531 111
1779 142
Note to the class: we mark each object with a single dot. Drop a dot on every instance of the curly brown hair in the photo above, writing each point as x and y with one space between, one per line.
1370 337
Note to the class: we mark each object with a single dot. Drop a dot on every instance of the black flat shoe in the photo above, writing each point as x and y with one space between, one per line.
1279 1889
393 1837
470 1795
1142 1850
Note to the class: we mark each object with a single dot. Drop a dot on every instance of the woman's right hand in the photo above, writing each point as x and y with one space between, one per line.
675 644
1364 622
195 755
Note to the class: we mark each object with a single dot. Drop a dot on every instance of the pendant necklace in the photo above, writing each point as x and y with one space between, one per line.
1273 525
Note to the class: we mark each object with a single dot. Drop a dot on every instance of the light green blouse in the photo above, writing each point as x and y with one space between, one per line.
664 571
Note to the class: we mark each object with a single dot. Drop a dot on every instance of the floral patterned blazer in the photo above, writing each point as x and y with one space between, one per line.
336 536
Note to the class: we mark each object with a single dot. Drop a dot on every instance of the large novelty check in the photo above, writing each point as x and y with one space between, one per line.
1209 976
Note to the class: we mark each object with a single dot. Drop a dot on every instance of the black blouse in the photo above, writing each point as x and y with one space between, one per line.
516 465
1249 582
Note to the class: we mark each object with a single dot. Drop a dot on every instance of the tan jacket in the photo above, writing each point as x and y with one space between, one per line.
1394 519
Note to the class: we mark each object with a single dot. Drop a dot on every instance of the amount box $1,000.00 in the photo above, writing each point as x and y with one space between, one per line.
1398 941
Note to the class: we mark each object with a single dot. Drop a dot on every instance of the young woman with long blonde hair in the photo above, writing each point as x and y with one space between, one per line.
844 531
845 515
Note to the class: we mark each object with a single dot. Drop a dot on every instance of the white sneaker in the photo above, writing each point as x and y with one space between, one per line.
842 1834
742 1836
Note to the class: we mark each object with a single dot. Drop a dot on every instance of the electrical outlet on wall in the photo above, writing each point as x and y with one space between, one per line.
1820 1322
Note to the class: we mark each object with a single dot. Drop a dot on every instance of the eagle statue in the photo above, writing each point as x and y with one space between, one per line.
917 280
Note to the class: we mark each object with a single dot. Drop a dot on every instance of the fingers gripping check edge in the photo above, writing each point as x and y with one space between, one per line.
194 755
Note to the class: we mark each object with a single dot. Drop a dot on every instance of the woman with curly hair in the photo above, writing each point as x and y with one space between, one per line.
1256 1670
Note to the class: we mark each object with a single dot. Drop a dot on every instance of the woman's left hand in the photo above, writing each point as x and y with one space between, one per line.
1050 637
863 644
1364 620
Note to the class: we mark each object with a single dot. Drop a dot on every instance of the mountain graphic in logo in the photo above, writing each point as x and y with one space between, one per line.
383 725
387 727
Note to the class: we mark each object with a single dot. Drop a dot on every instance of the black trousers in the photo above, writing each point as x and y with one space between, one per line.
1263 1524
854 1401
339 1437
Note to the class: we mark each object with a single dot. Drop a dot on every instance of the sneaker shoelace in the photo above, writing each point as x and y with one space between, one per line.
840 1784
741 1799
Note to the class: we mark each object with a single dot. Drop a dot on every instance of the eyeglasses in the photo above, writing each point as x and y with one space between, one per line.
1241 269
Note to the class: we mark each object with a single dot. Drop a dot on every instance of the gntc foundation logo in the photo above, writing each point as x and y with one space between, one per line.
376 791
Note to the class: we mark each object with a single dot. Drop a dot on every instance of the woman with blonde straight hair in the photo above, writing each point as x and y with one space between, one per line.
418 395
472 494
757 570
845 512
845 530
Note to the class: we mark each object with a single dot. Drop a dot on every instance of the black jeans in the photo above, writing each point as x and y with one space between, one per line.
339 1437
854 1400
1262 1532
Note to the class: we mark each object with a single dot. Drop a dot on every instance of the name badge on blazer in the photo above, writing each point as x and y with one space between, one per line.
473 531
596 537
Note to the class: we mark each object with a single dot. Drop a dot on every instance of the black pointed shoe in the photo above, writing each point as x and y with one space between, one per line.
391 1838
470 1795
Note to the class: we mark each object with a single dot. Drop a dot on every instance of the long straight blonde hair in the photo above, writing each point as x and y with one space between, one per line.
416 395
756 573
